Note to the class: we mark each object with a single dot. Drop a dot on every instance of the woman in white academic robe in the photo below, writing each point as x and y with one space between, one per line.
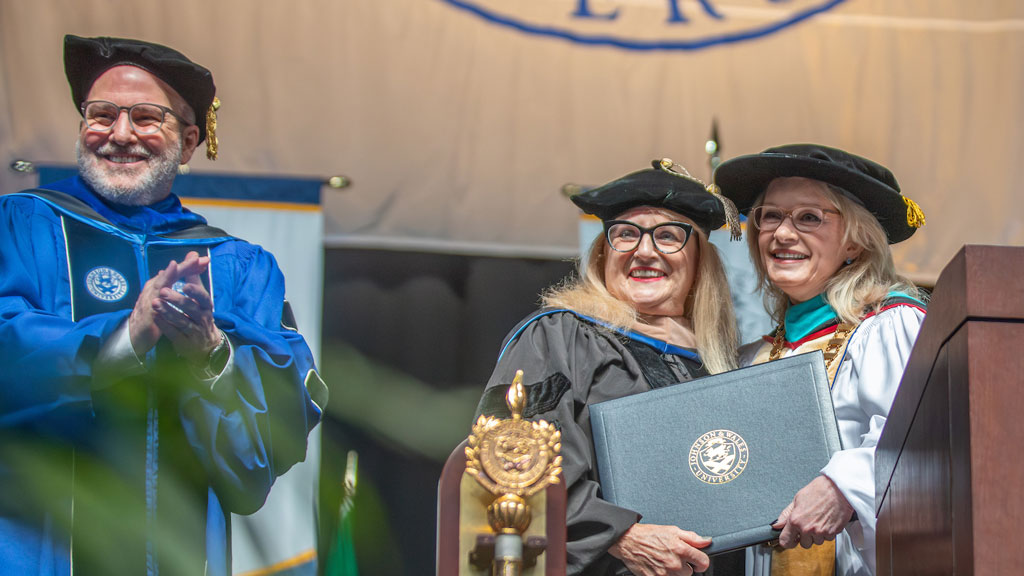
820 221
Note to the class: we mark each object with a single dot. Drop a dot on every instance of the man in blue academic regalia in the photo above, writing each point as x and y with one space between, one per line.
150 378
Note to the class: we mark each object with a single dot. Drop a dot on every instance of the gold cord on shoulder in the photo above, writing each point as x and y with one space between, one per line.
211 129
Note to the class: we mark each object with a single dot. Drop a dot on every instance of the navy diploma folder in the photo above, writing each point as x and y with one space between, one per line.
721 455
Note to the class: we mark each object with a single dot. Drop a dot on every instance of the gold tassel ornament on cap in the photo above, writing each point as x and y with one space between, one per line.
668 165
671 167
732 215
211 129
915 217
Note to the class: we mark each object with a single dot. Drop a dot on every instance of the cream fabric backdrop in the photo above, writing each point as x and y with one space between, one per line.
458 132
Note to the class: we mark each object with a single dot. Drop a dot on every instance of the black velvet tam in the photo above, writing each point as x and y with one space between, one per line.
654 187
85 59
744 178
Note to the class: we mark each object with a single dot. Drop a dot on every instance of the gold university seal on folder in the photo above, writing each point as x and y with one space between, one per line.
718 456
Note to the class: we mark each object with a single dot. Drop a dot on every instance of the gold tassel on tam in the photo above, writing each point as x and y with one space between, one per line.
915 217
814 561
732 215
211 129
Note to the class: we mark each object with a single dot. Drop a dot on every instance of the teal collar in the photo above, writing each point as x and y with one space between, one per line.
815 314
806 317
896 295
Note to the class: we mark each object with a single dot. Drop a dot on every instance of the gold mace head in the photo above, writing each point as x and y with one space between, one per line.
509 514
516 397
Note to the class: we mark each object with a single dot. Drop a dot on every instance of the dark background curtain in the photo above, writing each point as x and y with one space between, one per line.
409 341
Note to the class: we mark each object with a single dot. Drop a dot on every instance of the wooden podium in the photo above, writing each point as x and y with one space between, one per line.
949 466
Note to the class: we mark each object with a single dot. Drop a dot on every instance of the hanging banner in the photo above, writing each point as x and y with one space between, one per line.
447 112
653 25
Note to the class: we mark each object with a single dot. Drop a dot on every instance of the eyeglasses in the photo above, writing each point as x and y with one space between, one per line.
805 218
145 118
668 237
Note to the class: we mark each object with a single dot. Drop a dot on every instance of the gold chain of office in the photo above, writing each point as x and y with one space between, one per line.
842 332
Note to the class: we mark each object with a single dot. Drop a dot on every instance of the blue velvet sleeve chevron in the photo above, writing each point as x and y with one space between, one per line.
47 359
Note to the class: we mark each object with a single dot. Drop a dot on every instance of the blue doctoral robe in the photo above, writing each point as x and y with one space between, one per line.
136 474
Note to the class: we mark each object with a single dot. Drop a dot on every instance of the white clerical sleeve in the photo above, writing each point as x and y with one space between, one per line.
117 358
862 394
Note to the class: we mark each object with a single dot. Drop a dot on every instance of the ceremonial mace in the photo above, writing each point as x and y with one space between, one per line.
513 460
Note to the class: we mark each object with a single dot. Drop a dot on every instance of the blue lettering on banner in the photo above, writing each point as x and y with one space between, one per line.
583 11
582 22
675 14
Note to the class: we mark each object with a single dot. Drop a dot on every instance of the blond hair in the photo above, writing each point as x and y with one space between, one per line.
856 289
708 306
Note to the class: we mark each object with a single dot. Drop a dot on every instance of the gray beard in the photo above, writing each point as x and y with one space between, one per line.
152 185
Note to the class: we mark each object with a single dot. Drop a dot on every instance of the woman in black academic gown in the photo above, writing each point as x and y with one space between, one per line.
651 308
